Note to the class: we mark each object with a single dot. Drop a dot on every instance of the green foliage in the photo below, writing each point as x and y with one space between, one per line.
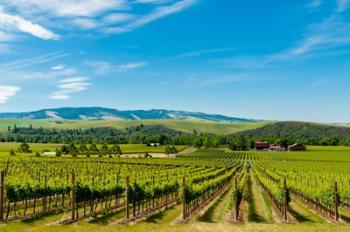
24 148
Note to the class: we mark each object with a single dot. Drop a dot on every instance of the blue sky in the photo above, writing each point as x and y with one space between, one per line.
285 60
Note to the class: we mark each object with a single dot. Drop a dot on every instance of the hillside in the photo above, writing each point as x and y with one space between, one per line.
100 113
306 132
179 125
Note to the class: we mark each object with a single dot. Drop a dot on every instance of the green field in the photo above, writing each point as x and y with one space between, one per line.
259 175
126 148
181 125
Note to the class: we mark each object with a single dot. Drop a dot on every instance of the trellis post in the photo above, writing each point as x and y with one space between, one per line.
73 196
183 198
236 203
2 187
285 199
336 201
127 197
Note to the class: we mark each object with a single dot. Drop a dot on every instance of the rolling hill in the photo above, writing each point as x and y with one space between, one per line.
179 125
306 132
100 113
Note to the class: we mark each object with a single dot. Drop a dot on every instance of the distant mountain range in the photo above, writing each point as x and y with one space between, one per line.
100 113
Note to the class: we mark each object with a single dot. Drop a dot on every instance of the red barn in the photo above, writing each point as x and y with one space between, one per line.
262 145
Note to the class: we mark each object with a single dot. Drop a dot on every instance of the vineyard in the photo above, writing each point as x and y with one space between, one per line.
208 186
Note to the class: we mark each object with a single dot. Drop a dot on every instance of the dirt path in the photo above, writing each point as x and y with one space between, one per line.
301 213
188 150
259 207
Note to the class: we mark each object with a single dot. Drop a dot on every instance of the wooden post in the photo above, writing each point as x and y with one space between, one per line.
336 201
236 203
127 197
153 200
183 199
285 199
73 202
2 187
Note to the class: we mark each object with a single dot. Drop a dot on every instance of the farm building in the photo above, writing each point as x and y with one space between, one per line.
275 147
262 145
297 147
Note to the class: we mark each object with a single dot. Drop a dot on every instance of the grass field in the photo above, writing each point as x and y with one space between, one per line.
126 148
328 148
181 125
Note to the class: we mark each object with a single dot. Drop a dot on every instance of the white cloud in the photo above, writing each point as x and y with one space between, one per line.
5 36
98 67
66 8
319 39
102 16
57 67
314 3
116 18
85 23
130 66
157 13
30 62
70 86
151 1
225 79
6 92
343 5
8 22
204 52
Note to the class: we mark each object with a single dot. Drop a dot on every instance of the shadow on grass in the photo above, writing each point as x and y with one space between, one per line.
252 211
345 215
158 216
298 216
108 218
43 216
208 216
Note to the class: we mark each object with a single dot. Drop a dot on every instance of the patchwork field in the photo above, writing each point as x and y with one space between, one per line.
223 191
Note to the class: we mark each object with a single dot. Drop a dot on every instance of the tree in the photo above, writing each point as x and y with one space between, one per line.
82 148
115 149
24 148
104 149
93 149
64 149
207 142
12 153
170 150
58 152
197 142
284 144
72 149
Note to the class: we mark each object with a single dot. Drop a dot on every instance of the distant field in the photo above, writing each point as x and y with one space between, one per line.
328 148
126 148
181 125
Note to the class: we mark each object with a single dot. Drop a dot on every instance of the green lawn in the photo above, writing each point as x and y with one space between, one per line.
181 125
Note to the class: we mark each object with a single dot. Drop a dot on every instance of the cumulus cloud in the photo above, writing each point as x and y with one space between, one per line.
6 92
